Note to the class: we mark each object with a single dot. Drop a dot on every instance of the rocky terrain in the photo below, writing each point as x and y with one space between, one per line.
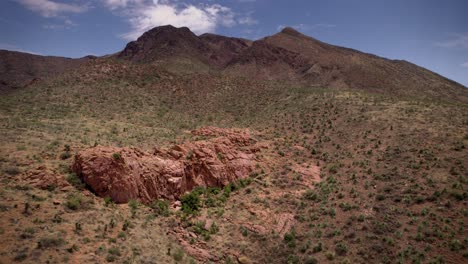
124 174
209 149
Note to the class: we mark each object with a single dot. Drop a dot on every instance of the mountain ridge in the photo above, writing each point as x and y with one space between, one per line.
287 56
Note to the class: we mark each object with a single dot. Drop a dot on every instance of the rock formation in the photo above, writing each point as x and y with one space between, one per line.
129 173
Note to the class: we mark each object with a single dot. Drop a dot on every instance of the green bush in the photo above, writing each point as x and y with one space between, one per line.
108 201
65 155
341 249
75 181
310 195
160 207
116 156
74 202
311 260
50 241
190 202
178 255
290 239
112 255
317 248
133 204
12 171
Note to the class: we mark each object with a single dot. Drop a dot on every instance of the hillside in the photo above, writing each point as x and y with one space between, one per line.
18 69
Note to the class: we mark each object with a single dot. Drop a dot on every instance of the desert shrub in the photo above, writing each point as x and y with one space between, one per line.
214 228
114 251
112 255
189 155
330 255
126 225
65 155
108 201
28 233
178 255
380 197
12 171
73 248
317 248
244 182
133 204
311 260
190 202
290 239
293 259
455 245
333 169
341 249
75 181
244 231
116 156
22 255
74 202
310 195
50 241
199 229
160 207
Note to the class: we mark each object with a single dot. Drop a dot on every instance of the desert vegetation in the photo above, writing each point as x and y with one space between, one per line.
341 176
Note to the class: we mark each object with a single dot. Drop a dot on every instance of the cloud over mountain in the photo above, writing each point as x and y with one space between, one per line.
48 8
143 15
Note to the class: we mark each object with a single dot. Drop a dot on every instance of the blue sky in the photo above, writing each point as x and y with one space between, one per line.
430 33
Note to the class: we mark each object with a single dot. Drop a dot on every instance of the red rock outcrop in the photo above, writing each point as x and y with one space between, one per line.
129 173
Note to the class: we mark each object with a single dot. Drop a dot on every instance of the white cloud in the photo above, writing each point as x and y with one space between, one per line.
456 41
464 65
144 15
306 27
48 8
248 20
67 24
114 4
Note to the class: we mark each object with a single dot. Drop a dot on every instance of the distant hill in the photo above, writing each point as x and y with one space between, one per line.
18 69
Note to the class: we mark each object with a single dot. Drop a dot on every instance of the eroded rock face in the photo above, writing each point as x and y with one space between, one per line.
223 156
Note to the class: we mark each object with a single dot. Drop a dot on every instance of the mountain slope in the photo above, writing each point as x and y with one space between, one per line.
19 69
290 55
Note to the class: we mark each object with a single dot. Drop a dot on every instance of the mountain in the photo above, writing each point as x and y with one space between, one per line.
288 56
18 69
170 45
